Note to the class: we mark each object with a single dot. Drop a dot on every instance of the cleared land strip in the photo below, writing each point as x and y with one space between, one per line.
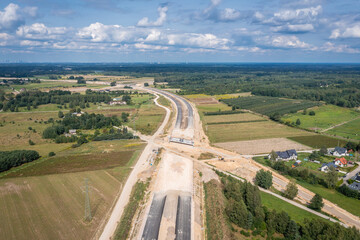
278 196
260 146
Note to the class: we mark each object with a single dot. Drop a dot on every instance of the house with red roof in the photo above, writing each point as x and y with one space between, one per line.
341 162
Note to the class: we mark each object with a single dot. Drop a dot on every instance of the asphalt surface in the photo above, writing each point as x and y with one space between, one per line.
190 113
152 226
183 218
190 122
178 106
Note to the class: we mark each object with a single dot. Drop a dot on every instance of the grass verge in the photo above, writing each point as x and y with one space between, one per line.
137 196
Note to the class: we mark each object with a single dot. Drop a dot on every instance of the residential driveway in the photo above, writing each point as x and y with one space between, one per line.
352 173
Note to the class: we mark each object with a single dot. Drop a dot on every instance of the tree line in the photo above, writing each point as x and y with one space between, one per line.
32 99
10 159
244 208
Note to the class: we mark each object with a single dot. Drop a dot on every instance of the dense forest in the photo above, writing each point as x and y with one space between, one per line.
9 159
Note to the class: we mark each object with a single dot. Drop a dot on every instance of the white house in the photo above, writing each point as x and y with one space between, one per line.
286 155
326 166
339 152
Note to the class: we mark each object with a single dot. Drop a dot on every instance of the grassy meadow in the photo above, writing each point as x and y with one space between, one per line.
348 130
297 214
325 116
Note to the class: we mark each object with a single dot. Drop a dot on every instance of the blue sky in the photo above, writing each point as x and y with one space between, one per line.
180 31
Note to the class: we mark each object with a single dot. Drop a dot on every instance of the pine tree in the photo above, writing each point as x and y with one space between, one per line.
316 202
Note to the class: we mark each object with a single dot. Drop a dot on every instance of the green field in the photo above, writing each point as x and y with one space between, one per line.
318 141
147 118
232 118
297 214
213 107
88 157
57 200
325 116
250 131
269 105
348 130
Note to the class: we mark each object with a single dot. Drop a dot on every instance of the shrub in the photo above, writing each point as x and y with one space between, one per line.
263 179
51 154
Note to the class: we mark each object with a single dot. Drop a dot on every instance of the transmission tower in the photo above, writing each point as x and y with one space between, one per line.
87 201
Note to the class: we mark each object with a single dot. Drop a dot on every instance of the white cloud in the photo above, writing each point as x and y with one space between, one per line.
284 42
298 14
294 28
144 46
98 32
144 22
199 40
250 49
229 14
33 43
3 39
331 47
13 16
40 31
347 31
292 17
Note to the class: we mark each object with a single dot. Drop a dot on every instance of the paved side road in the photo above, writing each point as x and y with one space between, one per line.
352 173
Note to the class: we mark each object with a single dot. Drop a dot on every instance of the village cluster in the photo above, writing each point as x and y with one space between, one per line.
339 163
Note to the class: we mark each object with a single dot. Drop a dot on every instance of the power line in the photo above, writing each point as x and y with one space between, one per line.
87 201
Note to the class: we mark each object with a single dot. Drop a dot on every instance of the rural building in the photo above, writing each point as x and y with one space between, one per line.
296 164
71 132
286 155
326 166
117 103
339 152
355 186
78 114
341 162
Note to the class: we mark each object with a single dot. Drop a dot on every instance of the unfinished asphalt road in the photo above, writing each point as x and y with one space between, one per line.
152 226
183 218
180 111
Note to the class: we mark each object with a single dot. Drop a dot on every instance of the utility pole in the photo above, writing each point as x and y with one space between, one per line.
87 201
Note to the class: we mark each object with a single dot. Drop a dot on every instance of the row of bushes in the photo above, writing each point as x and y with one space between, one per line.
113 136
222 113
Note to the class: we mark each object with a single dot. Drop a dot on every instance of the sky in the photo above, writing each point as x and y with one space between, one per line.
180 31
